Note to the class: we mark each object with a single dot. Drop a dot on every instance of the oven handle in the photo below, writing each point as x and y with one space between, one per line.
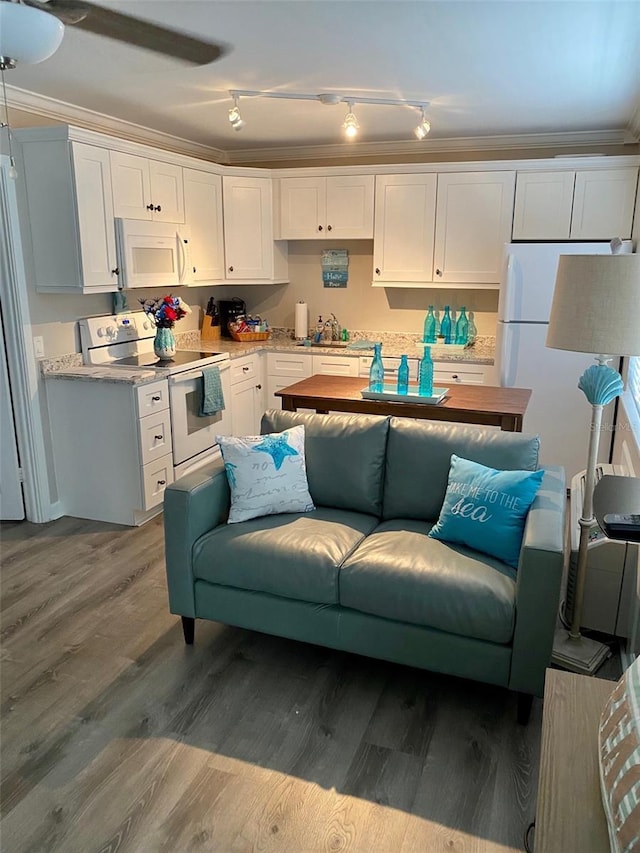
178 378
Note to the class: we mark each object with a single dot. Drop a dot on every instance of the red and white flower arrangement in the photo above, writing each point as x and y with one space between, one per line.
165 311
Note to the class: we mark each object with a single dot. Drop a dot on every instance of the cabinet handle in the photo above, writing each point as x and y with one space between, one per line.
116 271
230 269
158 208
195 270
162 482
156 399
319 227
245 369
438 272
329 228
150 207
377 270
259 387
158 437
454 376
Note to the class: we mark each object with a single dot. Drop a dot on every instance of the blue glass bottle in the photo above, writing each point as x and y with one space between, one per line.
445 326
425 388
376 371
429 331
462 328
403 375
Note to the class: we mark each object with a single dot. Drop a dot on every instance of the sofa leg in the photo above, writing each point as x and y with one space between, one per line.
188 629
525 701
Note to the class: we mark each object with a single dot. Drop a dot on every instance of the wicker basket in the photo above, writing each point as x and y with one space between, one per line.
244 337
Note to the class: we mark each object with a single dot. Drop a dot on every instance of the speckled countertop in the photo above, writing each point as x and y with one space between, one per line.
394 344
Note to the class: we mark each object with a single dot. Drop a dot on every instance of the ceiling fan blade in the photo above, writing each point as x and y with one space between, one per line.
134 31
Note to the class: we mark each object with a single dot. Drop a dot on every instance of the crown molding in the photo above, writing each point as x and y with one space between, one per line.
22 99
447 144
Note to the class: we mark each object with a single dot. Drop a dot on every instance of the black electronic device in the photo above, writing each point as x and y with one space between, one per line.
618 526
230 309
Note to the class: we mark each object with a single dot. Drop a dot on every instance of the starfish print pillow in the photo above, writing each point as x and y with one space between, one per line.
267 474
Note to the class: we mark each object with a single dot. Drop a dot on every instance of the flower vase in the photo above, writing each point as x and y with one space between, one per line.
164 344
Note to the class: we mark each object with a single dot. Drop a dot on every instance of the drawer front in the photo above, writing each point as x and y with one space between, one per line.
391 365
335 365
155 436
471 375
152 397
244 368
298 366
156 476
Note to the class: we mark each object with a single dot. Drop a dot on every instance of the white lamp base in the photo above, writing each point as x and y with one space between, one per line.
578 655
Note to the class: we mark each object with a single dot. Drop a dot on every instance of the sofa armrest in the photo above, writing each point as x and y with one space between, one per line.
192 505
538 584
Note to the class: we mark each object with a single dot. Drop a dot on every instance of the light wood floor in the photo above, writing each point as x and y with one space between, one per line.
118 737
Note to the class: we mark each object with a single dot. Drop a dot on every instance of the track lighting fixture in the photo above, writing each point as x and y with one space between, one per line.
350 124
424 127
234 115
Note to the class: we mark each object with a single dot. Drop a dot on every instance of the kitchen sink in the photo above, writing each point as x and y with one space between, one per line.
332 344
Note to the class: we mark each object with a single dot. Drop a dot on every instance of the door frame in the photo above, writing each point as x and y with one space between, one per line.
21 361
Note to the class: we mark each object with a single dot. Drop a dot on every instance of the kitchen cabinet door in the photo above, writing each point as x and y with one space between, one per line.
403 239
603 204
146 189
251 254
336 365
543 205
339 206
246 410
69 205
203 214
473 222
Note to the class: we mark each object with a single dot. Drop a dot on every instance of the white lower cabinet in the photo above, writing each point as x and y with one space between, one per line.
117 460
335 365
282 370
445 373
247 395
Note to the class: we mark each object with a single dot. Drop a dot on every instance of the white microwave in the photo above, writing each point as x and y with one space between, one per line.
152 254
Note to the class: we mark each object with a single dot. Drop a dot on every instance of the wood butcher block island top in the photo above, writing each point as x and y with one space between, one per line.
472 404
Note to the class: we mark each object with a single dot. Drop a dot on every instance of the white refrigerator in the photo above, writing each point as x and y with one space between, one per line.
558 411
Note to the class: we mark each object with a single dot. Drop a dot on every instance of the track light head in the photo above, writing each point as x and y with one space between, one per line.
424 127
234 115
350 124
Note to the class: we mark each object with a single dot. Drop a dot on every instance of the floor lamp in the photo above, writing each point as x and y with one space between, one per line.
595 309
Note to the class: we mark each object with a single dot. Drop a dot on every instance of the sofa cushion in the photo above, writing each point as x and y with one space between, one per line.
419 455
266 473
486 509
345 457
294 556
400 573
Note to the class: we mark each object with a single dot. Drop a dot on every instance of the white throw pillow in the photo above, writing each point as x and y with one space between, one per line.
267 474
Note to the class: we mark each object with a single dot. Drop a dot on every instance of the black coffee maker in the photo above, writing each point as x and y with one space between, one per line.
230 309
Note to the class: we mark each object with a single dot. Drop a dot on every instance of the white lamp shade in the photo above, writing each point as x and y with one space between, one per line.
28 34
596 305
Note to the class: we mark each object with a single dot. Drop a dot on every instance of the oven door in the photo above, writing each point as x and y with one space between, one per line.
191 433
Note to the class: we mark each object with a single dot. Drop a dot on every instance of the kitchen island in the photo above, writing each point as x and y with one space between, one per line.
486 405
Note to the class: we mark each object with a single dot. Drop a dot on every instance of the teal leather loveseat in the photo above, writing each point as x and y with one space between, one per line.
359 573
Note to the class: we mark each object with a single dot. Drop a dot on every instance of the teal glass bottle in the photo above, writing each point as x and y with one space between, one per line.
376 371
425 388
403 375
429 330
462 327
445 326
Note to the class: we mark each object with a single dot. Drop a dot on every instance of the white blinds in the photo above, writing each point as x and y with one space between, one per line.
633 380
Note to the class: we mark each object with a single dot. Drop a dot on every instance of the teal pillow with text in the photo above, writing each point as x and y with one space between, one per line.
486 509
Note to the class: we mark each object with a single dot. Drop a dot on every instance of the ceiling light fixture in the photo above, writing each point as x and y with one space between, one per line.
350 124
424 127
234 115
27 34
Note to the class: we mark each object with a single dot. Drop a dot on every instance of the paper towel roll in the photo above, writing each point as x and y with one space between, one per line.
301 322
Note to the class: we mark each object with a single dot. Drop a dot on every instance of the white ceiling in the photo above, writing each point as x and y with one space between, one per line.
487 68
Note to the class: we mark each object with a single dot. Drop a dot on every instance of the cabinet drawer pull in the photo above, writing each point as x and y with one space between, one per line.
116 271
329 228
377 270
245 369
438 272
150 207
230 269
259 387
158 208
319 227
195 270
162 482
158 437
454 376
156 398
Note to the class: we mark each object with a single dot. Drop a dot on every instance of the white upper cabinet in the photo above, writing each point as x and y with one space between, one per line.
339 207
603 204
203 215
146 189
68 188
404 228
473 222
589 204
251 255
